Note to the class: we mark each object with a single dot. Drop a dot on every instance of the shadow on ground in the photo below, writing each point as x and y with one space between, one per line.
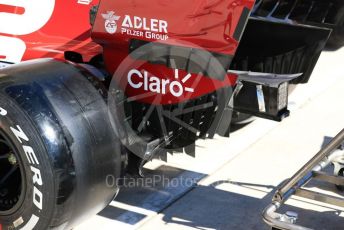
210 208
207 207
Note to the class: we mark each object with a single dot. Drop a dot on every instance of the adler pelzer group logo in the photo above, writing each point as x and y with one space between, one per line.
111 22
148 28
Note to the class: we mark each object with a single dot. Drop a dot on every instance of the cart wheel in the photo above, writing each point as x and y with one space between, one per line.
340 172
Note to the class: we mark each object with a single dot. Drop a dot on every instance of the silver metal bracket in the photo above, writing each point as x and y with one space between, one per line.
332 153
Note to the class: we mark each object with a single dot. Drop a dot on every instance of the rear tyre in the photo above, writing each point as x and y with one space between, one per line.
57 148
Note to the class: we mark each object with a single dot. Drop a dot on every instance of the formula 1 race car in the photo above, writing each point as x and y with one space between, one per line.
91 89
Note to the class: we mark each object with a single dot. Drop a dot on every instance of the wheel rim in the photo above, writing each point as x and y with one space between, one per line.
11 177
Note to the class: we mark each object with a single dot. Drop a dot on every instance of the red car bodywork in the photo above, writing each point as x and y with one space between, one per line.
67 29
206 25
209 25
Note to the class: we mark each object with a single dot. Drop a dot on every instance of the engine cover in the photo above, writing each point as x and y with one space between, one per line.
170 49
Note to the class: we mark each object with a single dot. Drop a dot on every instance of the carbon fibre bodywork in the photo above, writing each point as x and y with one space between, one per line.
287 36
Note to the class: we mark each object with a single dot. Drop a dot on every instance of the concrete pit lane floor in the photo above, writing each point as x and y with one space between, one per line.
230 181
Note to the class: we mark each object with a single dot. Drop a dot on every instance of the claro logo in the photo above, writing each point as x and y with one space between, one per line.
148 82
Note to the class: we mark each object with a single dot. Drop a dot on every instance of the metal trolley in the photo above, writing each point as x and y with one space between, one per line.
332 153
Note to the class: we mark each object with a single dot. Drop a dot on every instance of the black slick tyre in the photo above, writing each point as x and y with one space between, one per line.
57 146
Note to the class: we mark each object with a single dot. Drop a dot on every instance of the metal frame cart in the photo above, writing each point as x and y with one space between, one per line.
332 153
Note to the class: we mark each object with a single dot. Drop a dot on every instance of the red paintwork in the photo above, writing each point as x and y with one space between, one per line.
11 9
206 24
202 85
67 29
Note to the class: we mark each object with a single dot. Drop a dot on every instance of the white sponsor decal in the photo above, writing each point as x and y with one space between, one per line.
149 82
31 224
37 197
84 2
20 135
3 112
35 15
18 222
110 22
32 159
12 48
154 29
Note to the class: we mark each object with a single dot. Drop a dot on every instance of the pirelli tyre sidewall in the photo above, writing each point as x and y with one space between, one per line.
55 118
36 199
